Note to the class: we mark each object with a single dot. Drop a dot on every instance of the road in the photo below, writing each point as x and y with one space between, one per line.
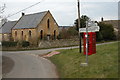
30 66
27 64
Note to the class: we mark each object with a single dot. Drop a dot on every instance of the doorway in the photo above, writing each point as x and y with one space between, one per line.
48 37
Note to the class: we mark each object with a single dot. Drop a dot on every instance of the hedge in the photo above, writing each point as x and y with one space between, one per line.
9 44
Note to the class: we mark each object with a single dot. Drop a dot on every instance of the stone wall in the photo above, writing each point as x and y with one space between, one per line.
58 43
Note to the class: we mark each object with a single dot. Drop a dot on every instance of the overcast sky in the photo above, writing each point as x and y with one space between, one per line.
64 11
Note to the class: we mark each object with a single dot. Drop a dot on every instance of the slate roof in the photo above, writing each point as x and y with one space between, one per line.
30 20
7 26
65 26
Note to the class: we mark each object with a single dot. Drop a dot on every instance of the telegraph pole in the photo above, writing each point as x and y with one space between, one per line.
80 46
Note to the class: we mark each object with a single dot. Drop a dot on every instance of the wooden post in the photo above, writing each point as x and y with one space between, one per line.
80 45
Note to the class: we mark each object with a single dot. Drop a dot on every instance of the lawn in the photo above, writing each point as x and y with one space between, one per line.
103 64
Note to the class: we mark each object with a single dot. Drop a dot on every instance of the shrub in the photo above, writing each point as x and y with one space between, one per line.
64 34
68 33
72 31
9 44
25 44
99 37
107 32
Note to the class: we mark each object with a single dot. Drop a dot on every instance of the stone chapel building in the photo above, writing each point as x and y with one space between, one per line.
35 27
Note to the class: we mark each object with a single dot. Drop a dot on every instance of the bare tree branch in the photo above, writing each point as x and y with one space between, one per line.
2 18
2 8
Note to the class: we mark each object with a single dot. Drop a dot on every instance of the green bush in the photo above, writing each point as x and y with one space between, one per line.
106 32
25 44
59 36
9 44
99 37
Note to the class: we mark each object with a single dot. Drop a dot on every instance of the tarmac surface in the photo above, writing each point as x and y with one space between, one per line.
29 66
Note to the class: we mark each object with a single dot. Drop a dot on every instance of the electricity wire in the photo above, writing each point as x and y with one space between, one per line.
24 9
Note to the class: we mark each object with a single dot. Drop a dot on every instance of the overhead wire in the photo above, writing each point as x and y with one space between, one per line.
24 9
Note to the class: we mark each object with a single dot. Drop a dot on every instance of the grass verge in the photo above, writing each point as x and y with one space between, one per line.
103 64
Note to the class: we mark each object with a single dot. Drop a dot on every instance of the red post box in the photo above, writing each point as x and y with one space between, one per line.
91 43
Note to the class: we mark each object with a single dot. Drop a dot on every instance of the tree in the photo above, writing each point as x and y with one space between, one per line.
106 32
69 33
2 19
2 8
83 20
72 31
63 34
99 36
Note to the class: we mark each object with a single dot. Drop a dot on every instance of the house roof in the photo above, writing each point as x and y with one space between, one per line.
65 26
7 26
30 20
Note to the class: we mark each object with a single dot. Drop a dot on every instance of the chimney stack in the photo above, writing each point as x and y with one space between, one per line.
23 14
102 19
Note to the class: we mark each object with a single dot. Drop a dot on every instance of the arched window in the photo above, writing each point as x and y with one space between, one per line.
54 34
48 24
15 33
30 33
41 34
22 33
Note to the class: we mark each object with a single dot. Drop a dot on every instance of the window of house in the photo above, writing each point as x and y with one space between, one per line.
22 33
15 33
30 33
41 34
48 24
54 34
